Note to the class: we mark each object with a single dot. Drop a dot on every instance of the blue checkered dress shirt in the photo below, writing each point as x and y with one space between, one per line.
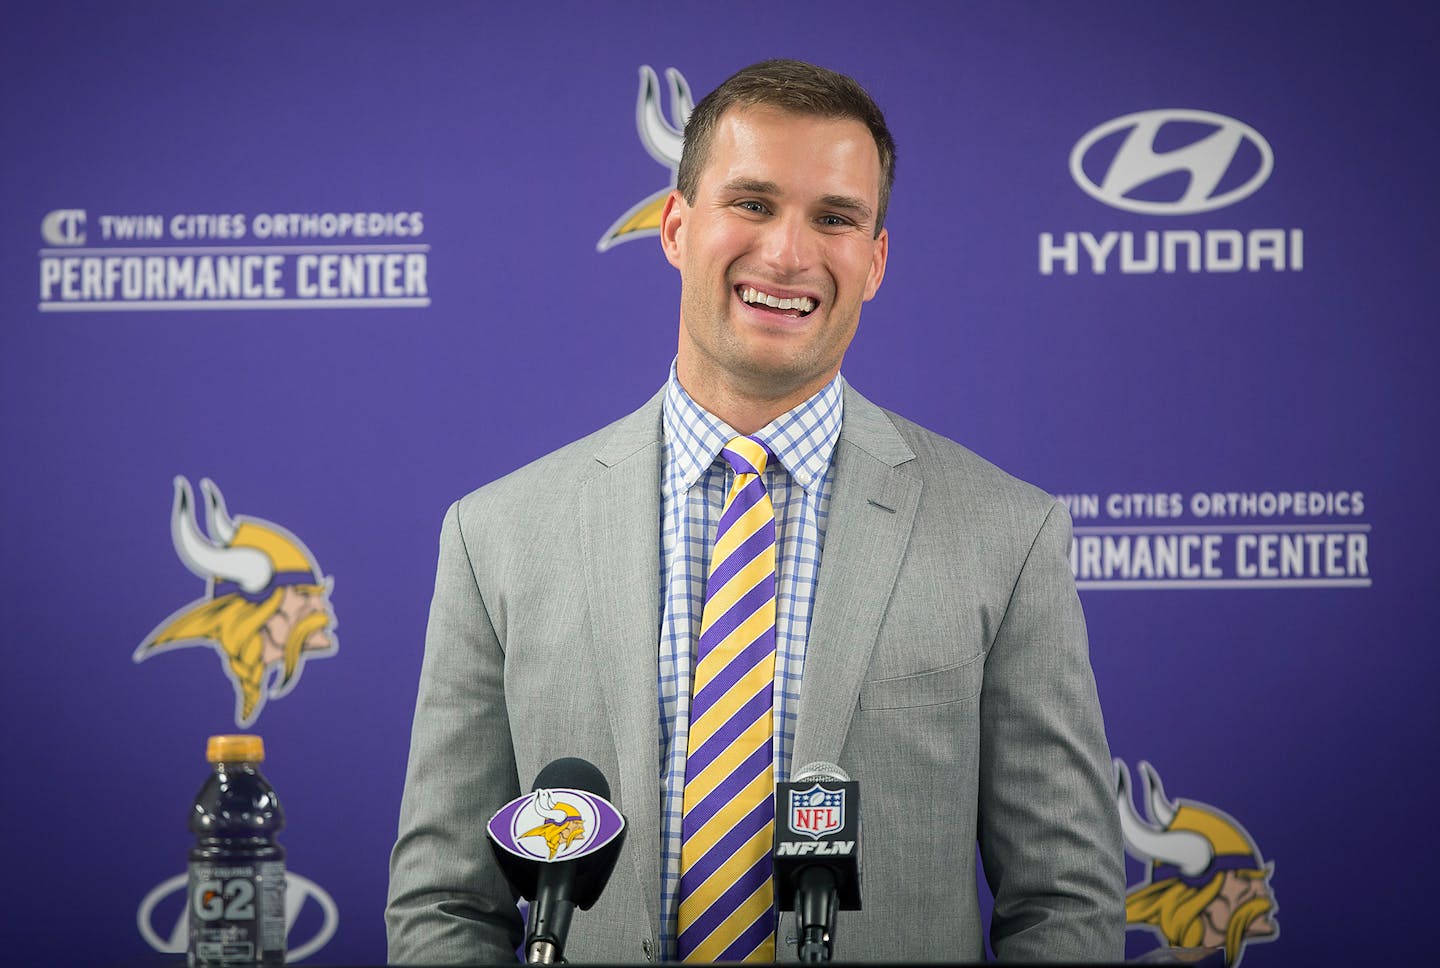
694 481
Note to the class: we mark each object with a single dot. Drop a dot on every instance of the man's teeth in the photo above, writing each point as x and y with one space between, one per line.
802 303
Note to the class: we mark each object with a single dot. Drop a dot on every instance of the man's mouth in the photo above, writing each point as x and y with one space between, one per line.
793 306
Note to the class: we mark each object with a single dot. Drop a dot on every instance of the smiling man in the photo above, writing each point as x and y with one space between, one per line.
778 241
757 570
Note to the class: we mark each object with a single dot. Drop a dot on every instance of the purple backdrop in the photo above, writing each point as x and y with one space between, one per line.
363 381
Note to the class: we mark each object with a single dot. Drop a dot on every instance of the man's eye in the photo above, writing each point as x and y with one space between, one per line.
834 221
750 205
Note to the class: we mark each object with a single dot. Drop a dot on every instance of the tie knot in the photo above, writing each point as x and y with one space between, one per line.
746 455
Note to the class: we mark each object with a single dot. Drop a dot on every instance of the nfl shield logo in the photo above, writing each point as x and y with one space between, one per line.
816 812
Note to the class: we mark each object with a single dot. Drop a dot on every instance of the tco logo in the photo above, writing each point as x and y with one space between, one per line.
64 226
168 900
1225 160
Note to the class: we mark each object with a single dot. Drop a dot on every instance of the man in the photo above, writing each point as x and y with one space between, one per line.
925 628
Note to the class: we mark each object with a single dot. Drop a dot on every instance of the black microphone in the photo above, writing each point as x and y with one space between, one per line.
817 854
557 846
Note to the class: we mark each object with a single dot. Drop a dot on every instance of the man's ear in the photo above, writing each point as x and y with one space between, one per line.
878 257
672 227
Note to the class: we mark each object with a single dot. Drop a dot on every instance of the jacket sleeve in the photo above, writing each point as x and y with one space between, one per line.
1048 826
448 902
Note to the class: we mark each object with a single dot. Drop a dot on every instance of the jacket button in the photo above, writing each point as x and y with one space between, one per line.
649 948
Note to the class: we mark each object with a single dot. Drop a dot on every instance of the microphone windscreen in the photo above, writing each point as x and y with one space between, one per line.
573 773
820 771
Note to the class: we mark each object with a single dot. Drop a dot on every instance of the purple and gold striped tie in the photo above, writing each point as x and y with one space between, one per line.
726 890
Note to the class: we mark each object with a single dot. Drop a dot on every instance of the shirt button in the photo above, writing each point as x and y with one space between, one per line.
648 947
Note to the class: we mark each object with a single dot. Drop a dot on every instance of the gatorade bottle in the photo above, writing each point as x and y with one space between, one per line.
237 870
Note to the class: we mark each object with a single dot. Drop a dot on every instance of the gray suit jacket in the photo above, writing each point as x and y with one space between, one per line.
946 670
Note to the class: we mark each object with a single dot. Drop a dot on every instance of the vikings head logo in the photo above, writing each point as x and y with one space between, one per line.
1207 885
663 140
266 608
563 824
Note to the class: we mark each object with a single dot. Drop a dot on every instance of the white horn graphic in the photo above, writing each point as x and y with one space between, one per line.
1161 810
681 103
662 139
221 525
545 804
1184 849
247 567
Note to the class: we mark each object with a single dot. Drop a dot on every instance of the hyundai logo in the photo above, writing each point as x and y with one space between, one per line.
1171 162
298 890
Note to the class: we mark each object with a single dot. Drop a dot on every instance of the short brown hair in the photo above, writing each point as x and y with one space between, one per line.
793 86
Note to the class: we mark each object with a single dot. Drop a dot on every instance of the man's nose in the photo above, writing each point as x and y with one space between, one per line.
789 244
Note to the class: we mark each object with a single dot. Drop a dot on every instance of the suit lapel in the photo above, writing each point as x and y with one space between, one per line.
620 508
872 509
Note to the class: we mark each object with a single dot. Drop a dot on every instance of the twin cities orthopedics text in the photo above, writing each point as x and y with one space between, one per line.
279 260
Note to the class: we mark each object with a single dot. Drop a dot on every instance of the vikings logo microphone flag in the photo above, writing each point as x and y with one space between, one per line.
554 825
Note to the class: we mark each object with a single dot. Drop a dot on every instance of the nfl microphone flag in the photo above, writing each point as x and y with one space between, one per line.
817 822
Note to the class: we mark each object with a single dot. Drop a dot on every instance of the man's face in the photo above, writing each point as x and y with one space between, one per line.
784 210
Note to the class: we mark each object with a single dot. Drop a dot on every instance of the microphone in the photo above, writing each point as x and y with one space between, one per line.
557 846
817 854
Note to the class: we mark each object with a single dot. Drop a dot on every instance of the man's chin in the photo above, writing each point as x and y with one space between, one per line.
778 362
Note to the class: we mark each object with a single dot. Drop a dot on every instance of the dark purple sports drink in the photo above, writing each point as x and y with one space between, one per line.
237 870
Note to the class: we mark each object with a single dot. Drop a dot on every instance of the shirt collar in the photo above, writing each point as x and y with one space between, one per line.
803 439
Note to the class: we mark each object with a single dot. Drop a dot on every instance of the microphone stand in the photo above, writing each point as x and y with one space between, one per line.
815 905
550 914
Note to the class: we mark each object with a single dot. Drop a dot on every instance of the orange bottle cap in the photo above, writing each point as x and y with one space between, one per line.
242 748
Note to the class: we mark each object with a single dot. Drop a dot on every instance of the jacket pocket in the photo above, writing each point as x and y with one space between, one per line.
953 683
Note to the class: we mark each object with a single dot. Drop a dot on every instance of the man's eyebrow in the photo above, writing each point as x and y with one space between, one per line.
753 185
848 203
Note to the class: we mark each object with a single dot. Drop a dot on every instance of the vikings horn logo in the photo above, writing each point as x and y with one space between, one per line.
1207 885
266 608
663 140
563 824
